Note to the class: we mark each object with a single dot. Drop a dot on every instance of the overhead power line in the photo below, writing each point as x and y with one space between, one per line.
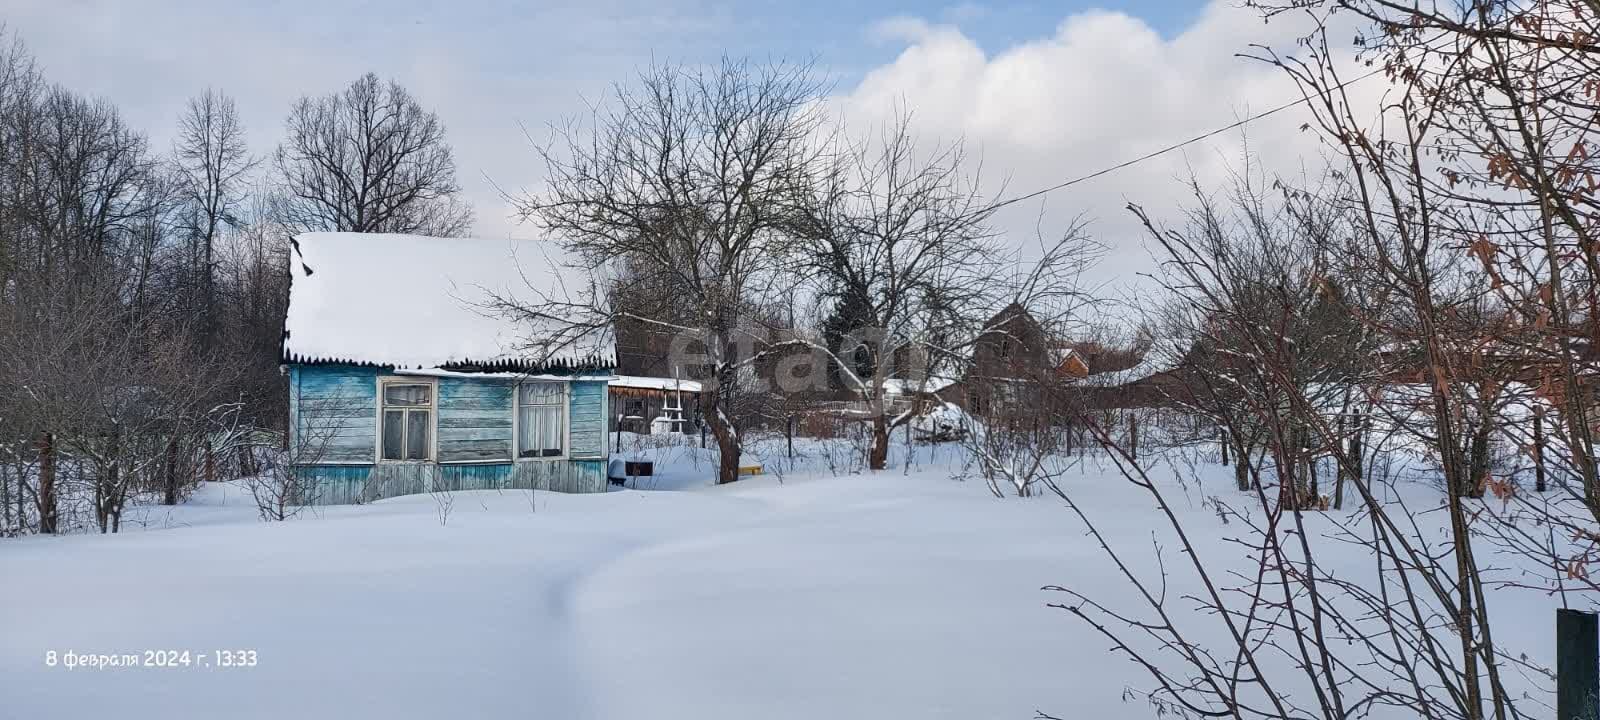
1174 146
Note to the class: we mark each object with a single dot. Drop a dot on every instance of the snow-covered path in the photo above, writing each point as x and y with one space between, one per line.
865 596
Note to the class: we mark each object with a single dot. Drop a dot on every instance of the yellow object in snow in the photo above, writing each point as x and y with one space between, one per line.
749 469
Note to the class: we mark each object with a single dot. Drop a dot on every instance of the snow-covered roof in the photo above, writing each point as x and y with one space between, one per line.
934 383
1059 353
1162 355
654 383
410 301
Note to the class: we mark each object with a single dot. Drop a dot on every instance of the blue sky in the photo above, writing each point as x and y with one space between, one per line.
994 25
1038 91
100 45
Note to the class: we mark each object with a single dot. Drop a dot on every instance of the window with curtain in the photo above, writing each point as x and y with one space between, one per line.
407 421
541 419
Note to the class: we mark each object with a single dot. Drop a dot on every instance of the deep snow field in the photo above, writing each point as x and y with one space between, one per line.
876 595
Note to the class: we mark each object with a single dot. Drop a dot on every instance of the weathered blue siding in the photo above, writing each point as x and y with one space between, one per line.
588 419
474 420
333 409
347 484
335 413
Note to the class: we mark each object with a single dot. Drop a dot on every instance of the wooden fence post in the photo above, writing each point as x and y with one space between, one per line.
1577 672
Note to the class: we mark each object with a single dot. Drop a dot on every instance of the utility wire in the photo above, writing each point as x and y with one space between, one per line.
1172 147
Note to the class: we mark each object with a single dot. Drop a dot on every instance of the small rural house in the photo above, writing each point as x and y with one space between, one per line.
653 405
1010 361
401 381
653 391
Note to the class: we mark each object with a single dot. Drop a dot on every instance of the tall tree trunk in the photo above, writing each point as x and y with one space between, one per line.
208 327
100 501
169 474
108 495
1538 452
47 483
1339 440
1358 451
1281 446
247 460
728 441
1241 462
21 500
5 498
1478 461
1133 435
878 454
1313 488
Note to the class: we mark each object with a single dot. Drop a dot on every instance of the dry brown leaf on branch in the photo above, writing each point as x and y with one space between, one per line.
1502 488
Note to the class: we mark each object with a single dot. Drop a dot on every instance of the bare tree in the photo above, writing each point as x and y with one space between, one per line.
288 485
693 176
212 164
1493 167
369 159
105 399
253 296
899 242
1254 278
1466 209
1276 319
82 207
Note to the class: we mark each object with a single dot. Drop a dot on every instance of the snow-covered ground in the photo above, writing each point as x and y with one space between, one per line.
814 595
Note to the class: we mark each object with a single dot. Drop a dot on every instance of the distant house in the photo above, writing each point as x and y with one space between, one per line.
1013 362
401 382
654 391
1153 372
644 404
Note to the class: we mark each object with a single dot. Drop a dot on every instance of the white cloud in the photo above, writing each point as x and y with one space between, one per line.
1103 88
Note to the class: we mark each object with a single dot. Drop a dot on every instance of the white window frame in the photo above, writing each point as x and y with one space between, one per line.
566 422
433 417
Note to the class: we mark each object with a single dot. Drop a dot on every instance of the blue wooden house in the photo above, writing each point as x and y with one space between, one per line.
403 380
